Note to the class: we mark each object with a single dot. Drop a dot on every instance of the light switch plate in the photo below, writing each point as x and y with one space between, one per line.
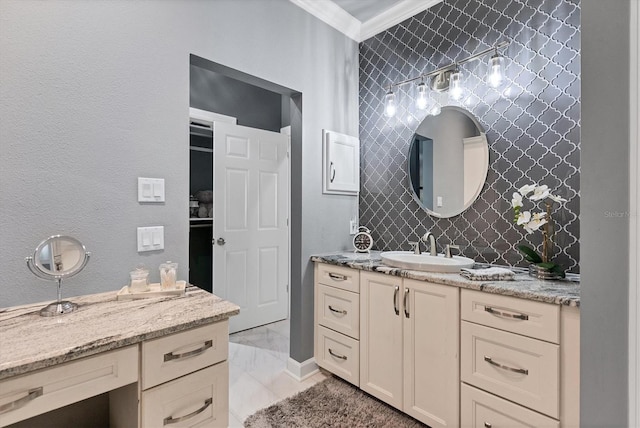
150 238
150 189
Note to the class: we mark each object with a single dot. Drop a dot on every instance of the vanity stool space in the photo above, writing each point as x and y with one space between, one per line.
437 348
150 362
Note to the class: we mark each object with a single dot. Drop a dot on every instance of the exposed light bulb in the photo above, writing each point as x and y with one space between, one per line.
456 91
422 100
436 110
495 76
390 104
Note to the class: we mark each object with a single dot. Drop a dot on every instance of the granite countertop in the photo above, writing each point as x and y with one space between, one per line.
561 292
29 341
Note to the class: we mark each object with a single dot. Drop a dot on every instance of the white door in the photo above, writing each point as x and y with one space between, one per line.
250 231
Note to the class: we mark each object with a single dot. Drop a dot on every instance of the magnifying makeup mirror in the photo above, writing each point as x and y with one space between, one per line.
55 258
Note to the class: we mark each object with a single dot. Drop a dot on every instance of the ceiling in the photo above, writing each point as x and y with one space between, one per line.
362 19
364 10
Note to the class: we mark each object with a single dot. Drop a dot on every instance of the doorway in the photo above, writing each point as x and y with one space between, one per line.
248 201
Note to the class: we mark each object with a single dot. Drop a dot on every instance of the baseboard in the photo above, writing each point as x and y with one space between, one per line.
303 370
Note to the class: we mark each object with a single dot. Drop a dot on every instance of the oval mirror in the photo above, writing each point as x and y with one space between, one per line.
59 257
448 162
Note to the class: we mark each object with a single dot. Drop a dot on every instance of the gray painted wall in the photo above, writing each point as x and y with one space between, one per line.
604 205
252 106
95 94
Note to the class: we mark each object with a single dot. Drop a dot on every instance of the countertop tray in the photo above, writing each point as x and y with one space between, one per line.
154 291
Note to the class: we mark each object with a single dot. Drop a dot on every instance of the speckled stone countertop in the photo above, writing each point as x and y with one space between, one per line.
101 323
562 292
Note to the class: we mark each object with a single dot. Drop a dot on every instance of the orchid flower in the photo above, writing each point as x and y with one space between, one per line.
516 202
557 198
523 218
526 189
540 193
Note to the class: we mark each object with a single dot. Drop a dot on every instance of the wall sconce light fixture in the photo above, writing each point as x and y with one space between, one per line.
449 78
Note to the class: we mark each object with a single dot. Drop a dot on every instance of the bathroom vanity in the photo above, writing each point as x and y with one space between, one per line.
449 351
154 362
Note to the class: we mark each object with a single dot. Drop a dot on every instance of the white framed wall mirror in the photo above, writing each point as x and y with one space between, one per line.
448 162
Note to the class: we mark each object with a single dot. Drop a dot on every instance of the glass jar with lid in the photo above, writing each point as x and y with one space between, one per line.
139 280
168 272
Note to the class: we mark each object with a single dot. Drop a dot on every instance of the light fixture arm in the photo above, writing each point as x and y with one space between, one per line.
452 66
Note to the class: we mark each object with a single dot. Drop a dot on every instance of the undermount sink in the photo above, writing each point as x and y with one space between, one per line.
425 262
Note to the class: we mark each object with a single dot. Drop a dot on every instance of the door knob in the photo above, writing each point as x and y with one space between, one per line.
221 241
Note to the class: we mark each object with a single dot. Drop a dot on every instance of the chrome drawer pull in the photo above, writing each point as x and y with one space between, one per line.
405 302
171 356
337 277
506 315
171 420
342 357
395 300
338 311
502 366
487 425
20 402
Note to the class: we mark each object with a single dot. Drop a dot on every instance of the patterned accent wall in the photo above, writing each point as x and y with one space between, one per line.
532 123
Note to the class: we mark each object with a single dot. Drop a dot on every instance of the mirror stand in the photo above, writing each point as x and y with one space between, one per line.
60 307
56 258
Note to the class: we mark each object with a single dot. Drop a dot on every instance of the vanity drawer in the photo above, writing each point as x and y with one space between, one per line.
339 354
199 399
526 317
479 409
339 277
176 355
518 368
67 383
339 310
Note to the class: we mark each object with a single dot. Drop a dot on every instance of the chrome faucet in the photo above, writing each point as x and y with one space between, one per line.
432 243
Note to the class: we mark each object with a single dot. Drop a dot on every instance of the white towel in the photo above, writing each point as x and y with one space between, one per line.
488 274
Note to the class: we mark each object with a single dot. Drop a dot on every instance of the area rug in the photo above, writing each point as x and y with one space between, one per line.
330 403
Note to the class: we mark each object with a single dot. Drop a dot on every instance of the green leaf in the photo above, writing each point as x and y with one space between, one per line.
559 270
530 254
547 265
553 267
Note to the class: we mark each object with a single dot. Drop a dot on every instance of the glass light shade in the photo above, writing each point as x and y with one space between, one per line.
456 91
435 110
422 100
495 76
390 104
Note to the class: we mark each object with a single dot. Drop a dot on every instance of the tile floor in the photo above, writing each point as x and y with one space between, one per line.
257 376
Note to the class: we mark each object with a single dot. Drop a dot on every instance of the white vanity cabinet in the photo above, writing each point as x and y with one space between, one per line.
520 355
185 378
450 356
409 346
337 321
142 363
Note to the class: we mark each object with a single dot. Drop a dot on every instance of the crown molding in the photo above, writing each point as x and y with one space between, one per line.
332 14
393 16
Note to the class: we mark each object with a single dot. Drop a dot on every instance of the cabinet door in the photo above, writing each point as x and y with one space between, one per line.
341 163
381 337
431 358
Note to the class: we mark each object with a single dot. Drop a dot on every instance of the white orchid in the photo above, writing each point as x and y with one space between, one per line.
540 193
516 202
523 218
537 220
526 189
557 198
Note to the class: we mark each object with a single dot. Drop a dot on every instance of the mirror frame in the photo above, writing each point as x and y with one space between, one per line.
486 164
35 265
